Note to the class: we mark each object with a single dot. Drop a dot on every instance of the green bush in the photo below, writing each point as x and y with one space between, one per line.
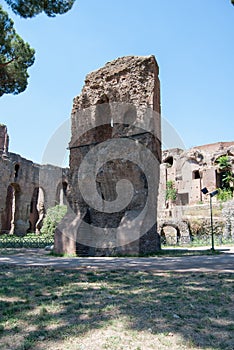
31 240
224 162
170 190
224 194
53 216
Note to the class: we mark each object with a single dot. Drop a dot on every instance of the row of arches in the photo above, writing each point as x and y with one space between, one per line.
33 214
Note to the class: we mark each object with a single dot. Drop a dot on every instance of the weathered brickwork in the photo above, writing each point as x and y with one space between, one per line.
27 190
127 87
190 171
120 103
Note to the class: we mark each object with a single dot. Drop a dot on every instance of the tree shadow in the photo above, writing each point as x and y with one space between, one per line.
45 304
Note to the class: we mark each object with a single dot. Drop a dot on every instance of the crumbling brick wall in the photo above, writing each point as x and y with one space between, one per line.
21 182
120 105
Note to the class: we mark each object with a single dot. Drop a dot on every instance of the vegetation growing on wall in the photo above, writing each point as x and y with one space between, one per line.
224 162
170 191
227 178
16 56
224 194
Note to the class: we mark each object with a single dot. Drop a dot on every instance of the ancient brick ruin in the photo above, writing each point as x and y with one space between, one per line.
27 190
4 141
190 171
120 103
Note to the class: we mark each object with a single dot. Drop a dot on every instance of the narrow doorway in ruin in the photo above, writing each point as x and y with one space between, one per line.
36 210
61 194
16 173
11 208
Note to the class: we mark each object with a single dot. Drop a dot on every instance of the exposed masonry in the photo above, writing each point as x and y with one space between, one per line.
27 190
131 80
190 171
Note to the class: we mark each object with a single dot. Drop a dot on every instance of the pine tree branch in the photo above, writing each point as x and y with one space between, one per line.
9 62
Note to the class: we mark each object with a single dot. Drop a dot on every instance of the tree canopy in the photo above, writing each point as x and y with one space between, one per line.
16 57
31 8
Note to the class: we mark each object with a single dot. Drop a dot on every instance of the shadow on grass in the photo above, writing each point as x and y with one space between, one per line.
42 304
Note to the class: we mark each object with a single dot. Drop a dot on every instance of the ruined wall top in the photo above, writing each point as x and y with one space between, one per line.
216 147
124 95
130 79
204 154
4 140
116 130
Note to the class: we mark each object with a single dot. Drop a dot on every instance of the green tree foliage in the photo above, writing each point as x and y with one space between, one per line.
228 178
53 216
226 190
170 191
224 163
31 8
224 194
16 57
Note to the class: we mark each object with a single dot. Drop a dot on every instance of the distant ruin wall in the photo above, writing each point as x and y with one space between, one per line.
189 171
23 185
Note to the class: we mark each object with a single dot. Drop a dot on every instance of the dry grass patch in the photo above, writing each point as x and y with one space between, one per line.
41 308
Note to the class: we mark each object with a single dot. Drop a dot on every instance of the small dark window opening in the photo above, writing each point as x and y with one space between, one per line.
169 160
196 174
64 188
16 170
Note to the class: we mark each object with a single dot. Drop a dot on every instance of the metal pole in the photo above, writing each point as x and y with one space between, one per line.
211 224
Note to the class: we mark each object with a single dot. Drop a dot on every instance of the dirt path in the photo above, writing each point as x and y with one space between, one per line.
202 263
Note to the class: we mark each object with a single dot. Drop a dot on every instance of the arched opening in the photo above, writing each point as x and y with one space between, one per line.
64 188
169 160
11 209
33 217
170 235
6 225
37 210
196 174
16 171
61 193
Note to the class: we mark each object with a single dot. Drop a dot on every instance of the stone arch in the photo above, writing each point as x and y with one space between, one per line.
170 234
181 234
37 210
11 209
61 193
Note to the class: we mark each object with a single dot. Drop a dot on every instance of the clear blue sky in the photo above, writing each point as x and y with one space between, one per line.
193 42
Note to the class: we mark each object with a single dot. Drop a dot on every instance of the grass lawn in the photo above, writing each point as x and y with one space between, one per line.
44 308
